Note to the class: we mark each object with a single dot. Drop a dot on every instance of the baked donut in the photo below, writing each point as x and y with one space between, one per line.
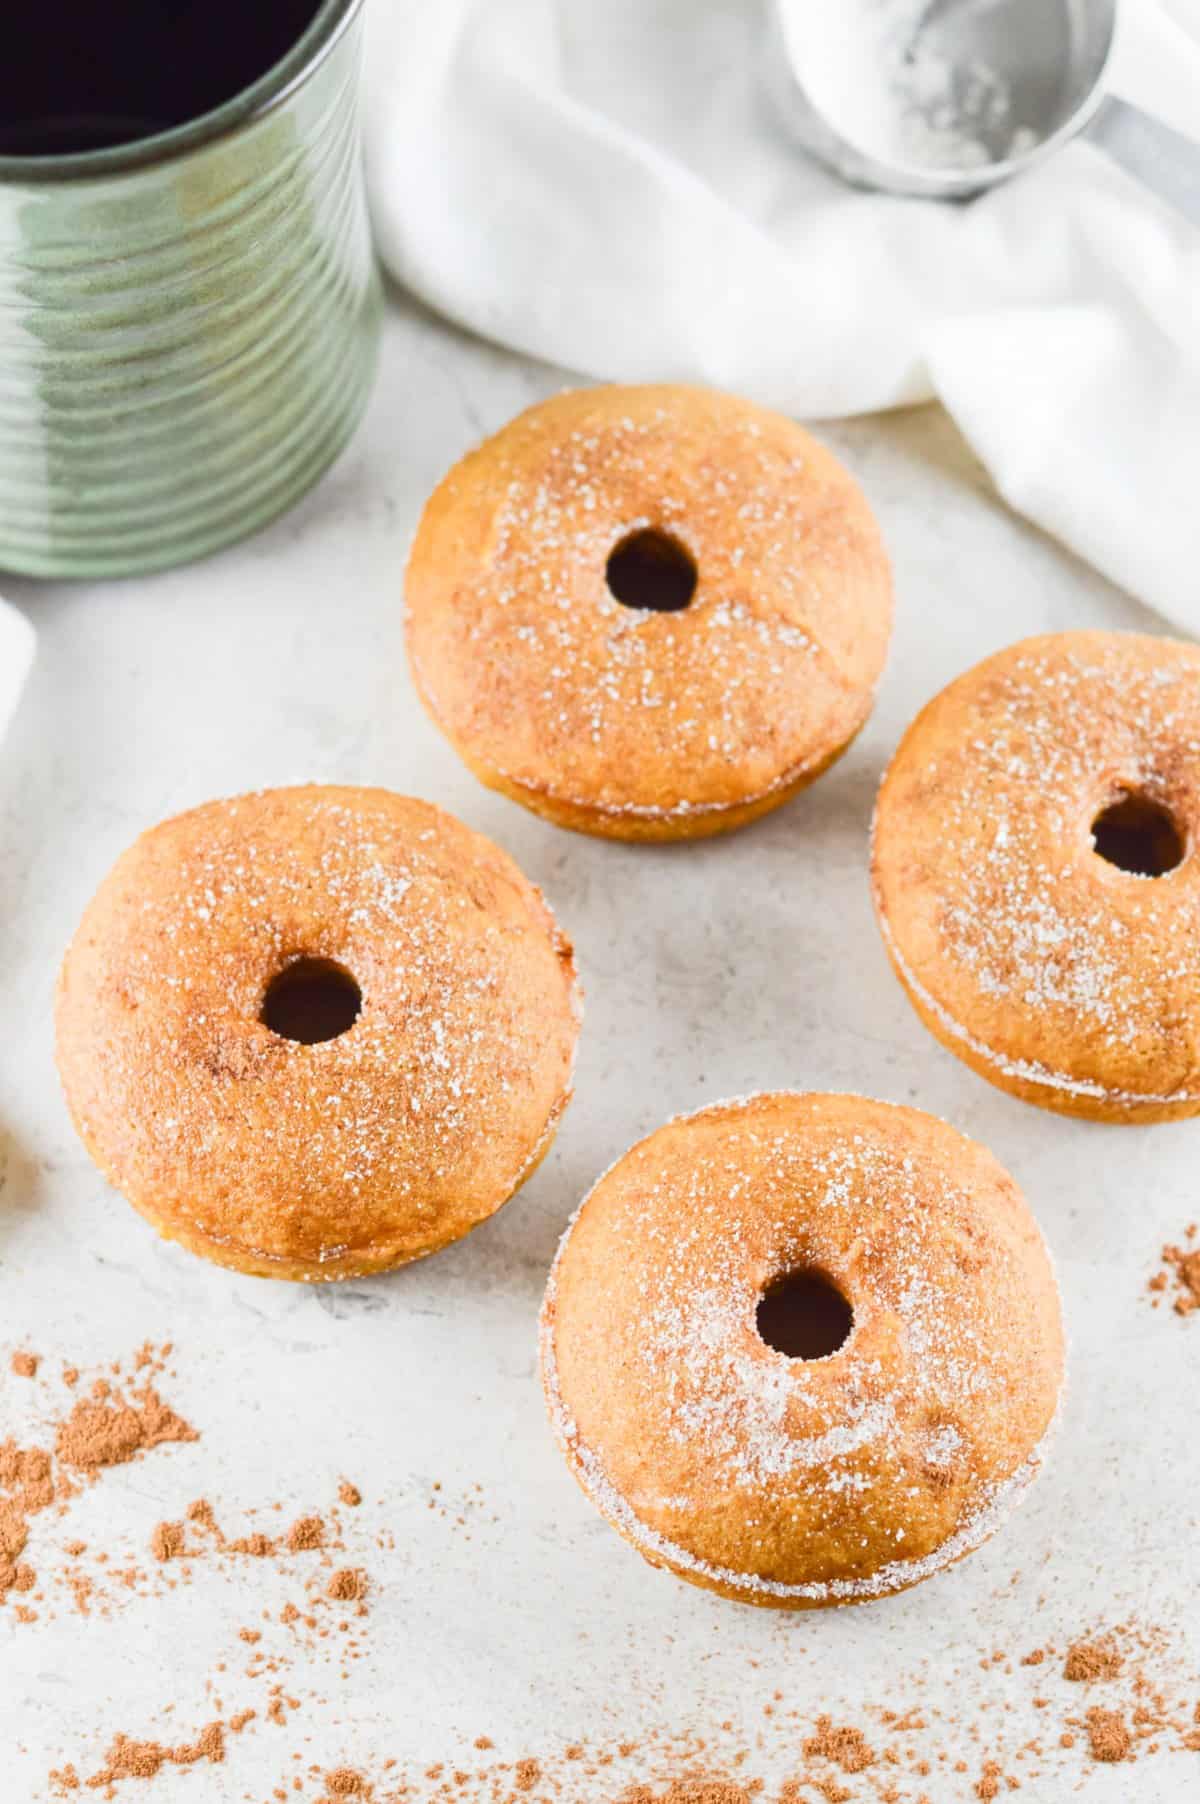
316 1032
648 613
803 1350
1034 877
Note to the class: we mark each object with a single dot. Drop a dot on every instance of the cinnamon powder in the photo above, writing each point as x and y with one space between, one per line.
105 1429
1181 1264
1108 1737
347 1585
25 1365
26 1473
103 1432
690 1791
306 1534
129 1759
845 1746
1088 1660
166 1543
885 1767
1187 1278
1111 1735
110 1426
259 1546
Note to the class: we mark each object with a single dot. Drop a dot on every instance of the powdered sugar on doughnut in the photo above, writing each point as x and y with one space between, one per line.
1045 963
922 1386
1023 1070
359 1150
551 686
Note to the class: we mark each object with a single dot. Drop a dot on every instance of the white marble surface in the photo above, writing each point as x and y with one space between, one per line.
737 964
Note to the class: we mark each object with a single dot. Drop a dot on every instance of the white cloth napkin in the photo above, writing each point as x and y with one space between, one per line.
607 186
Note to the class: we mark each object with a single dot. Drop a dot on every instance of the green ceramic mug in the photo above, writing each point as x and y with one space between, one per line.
189 305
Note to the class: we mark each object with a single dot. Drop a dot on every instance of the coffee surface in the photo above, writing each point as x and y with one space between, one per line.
78 76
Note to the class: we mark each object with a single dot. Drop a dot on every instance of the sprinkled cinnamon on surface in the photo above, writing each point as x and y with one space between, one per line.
130 1759
108 1428
166 1543
1181 1265
259 1546
343 1783
1108 1736
107 1432
347 1585
25 1365
844 1745
891 1755
692 1790
116 1422
987 1786
306 1534
883 1757
1088 1660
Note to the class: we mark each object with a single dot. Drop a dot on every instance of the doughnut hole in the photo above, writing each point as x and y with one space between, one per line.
804 1315
651 570
1138 835
311 1000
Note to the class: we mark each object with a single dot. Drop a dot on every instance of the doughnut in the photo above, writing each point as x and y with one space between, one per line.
648 613
1034 875
316 1032
803 1350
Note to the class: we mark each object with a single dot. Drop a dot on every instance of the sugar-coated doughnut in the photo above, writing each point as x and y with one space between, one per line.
316 1032
1035 874
893 1258
648 613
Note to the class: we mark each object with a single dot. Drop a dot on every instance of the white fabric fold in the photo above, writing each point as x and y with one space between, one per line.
609 188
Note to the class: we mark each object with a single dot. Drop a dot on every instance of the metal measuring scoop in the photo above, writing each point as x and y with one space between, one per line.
945 98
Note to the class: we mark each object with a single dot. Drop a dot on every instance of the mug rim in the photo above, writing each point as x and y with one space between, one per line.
274 86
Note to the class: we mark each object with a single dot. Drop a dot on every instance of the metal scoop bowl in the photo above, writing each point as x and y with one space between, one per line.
947 99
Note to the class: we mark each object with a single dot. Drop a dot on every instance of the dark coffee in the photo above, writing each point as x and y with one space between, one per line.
85 74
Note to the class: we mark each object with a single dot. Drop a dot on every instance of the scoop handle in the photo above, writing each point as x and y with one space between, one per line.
1156 155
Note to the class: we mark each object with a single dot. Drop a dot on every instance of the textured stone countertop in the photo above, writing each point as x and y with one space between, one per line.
499 1605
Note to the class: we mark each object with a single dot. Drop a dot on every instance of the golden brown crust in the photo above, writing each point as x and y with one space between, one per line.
1061 978
602 823
800 1483
361 1152
623 721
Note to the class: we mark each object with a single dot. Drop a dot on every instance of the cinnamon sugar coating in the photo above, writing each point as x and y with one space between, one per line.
803 1482
360 1152
1059 975
620 720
